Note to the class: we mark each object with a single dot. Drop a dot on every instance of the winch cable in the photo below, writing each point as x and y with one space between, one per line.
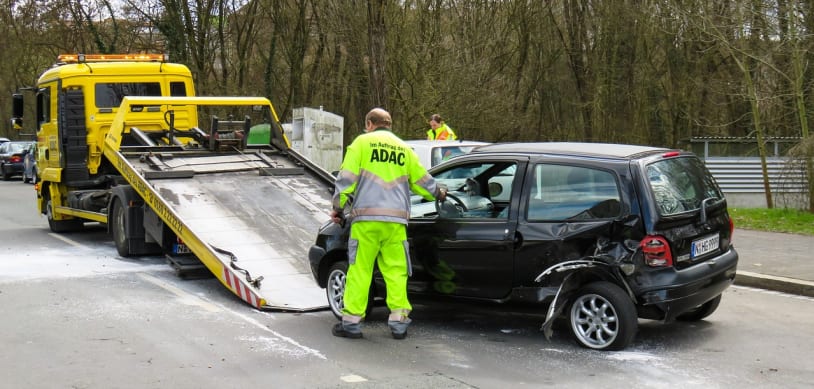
255 282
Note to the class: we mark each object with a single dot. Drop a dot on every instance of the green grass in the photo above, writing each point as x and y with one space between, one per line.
776 220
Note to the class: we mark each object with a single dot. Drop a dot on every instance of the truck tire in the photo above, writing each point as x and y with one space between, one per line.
602 317
61 225
118 223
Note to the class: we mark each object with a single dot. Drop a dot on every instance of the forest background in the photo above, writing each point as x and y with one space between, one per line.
653 72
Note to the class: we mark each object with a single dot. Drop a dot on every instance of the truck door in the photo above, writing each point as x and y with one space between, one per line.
469 249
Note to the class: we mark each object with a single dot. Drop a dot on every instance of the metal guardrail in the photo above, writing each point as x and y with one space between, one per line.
744 175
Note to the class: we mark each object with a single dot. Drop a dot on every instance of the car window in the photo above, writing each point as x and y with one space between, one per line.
14 147
476 190
681 184
561 192
443 153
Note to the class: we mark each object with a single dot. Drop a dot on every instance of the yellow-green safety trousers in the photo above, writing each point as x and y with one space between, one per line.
386 241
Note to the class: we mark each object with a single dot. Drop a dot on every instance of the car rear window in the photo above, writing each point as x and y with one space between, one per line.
681 184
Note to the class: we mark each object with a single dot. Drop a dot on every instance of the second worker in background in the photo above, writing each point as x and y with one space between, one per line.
439 130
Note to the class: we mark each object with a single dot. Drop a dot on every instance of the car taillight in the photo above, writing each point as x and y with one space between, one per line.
656 251
15 159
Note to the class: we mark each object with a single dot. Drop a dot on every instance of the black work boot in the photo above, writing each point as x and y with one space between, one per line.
347 330
398 328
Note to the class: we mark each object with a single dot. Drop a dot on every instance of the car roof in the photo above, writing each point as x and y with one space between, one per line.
586 149
424 142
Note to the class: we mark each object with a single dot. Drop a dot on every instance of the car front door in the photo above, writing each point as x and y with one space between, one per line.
468 250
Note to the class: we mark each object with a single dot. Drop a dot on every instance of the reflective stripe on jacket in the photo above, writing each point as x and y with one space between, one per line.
379 170
441 133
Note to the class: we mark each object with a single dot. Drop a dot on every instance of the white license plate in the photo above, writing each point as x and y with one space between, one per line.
181 249
704 245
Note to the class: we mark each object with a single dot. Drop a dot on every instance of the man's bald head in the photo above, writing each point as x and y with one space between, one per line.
379 118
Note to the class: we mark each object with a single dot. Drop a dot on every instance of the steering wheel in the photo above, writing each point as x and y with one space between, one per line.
455 201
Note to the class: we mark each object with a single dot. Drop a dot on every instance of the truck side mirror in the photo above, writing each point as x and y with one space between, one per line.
17 111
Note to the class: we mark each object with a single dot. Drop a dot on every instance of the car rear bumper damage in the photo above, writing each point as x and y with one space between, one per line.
688 288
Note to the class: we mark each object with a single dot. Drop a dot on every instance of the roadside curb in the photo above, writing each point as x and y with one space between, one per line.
776 283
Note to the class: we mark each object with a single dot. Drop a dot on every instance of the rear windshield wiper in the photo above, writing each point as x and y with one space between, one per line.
704 203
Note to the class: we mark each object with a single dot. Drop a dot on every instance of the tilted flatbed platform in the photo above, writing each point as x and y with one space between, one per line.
247 214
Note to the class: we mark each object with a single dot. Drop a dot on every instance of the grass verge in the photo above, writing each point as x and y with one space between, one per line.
775 220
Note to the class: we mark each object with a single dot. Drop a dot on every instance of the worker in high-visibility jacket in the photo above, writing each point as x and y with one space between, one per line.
439 130
378 173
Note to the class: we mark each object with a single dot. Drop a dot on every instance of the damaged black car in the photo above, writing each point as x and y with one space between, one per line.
600 234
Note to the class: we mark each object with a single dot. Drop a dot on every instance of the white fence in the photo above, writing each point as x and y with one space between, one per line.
741 179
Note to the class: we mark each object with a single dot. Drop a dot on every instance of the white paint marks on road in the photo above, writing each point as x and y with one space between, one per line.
183 297
278 342
352 378
630 356
302 348
67 240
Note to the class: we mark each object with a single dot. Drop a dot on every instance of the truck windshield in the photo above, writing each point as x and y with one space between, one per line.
110 94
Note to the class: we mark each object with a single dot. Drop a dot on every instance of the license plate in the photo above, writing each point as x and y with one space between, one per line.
181 249
704 245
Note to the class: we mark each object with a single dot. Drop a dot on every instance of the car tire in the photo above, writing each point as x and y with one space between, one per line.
6 176
118 228
602 317
61 225
702 311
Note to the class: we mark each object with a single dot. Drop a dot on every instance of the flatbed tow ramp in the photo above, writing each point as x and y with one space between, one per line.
247 215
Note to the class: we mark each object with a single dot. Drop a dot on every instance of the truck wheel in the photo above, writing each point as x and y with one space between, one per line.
335 289
702 311
603 317
118 219
61 225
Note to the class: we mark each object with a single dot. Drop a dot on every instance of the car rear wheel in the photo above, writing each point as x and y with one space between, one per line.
6 175
603 317
702 311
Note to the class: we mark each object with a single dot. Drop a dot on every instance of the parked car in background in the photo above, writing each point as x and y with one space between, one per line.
4 140
600 234
30 164
11 158
433 152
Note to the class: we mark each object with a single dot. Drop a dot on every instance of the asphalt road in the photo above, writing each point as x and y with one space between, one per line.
76 315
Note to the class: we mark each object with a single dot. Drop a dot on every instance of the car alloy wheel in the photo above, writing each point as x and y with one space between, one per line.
335 287
603 317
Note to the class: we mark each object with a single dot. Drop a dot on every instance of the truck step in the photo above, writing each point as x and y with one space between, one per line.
188 267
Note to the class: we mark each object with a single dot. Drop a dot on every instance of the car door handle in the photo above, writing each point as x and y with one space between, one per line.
518 239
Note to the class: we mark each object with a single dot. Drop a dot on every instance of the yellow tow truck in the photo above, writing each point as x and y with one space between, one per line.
122 140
